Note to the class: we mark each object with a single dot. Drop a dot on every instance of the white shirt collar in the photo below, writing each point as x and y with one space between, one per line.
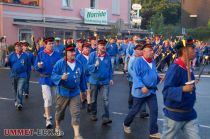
87 57
150 64
71 65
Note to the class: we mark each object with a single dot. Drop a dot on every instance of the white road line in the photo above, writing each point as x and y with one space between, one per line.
205 76
118 113
4 68
118 72
35 82
3 98
204 126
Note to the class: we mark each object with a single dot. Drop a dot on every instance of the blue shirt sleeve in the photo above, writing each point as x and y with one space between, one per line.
57 74
137 77
91 64
171 91
83 81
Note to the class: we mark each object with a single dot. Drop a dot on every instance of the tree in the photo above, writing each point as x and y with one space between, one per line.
171 11
201 33
209 24
157 23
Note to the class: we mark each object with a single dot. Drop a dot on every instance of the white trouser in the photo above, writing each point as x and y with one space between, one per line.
48 94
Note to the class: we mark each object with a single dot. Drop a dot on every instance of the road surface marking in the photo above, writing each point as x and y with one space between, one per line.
3 98
159 119
35 82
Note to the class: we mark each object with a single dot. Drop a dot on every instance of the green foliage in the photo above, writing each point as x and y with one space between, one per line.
11 48
171 30
201 33
171 11
209 24
157 23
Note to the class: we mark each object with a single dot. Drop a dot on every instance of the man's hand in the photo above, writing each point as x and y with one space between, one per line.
83 96
162 78
144 90
32 68
197 81
188 88
6 59
111 82
97 63
64 76
40 65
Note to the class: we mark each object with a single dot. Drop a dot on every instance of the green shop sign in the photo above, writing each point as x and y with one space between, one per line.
95 16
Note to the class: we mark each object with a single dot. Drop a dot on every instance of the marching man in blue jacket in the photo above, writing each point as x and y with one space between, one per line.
18 62
31 59
100 69
69 76
145 80
83 58
44 64
79 46
112 50
179 97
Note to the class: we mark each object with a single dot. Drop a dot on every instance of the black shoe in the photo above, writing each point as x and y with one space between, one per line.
106 121
88 108
144 115
83 105
93 118
124 72
19 107
48 124
26 96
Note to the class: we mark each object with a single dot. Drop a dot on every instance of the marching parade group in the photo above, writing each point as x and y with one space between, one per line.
73 74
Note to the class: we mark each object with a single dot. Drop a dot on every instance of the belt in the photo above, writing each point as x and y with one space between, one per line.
69 89
45 75
178 110
151 88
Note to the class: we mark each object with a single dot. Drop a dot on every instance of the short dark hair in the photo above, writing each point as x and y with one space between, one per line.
180 51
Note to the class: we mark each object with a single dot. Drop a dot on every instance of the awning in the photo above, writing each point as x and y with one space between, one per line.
70 26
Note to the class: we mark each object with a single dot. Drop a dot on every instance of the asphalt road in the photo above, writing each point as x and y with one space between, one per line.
32 115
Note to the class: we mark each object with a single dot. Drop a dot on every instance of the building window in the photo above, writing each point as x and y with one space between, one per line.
22 2
93 3
116 7
66 3
25 34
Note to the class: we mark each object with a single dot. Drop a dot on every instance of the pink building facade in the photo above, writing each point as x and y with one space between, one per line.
19 19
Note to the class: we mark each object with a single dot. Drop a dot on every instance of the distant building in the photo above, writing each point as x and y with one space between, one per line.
195 13
19 19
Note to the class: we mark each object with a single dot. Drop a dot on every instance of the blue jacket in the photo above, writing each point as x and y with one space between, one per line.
144 76
167 49
92 50
130 49
40 49
102 74
48 64
112 49
31 60
76 79
130 68
77 51
19 66
84 62
175 79
60 48
156 45
122 50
